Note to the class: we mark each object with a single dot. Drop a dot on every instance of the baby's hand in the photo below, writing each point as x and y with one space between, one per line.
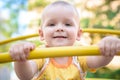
20 51
109 46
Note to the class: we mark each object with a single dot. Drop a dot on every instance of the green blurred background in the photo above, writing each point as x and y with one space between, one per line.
22 17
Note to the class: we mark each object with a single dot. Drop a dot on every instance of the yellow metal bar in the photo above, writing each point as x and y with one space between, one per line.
57 52
104 31
17 38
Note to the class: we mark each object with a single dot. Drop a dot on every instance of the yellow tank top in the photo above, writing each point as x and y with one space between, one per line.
75 69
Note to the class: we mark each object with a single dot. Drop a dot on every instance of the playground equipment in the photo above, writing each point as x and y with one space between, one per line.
102 31
59 51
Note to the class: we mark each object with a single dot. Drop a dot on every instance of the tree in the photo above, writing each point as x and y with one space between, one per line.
9 25
13 7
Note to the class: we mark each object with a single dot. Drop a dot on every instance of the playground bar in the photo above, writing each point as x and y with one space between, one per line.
57 52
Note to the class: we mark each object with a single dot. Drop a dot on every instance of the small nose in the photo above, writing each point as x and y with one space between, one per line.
59 28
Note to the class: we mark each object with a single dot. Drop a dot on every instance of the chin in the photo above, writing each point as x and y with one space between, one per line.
59 45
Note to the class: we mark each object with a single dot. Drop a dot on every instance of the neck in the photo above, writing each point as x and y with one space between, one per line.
61 60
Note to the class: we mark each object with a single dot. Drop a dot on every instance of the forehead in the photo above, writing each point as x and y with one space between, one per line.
60 11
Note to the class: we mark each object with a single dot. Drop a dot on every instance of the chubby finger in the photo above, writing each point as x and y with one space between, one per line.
107 49
29 46
112 49
118 47
101 47
26 50
32 47
23 57
17 53
11 53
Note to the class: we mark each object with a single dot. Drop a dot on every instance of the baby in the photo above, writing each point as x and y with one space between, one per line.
60 27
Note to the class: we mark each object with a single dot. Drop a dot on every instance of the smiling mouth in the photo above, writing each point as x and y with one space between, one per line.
59 37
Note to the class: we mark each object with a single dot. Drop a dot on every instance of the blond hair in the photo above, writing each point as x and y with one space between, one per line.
62 4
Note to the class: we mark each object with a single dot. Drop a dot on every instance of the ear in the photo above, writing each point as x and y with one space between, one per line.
41 34
79 34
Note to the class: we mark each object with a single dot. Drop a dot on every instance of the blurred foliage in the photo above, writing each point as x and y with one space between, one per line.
36 41
105 73
106 15
37 4
10 25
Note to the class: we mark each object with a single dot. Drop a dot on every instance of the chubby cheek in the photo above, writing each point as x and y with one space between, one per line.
47 34
72 34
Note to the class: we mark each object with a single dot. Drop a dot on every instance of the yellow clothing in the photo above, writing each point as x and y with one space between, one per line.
74 69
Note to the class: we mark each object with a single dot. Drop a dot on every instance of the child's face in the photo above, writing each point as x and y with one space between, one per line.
60 27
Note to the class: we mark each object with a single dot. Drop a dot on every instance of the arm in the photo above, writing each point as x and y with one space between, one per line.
25 70
98 61
19 52
109 46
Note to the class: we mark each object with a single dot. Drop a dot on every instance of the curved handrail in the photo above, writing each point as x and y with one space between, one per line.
56 52
104 31
18 38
